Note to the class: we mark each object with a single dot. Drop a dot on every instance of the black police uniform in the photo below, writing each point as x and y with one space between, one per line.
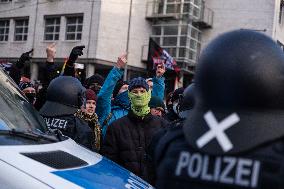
65 95
234 135
72 127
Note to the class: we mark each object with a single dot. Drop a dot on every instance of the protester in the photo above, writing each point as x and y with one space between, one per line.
157 106
51 72
69 69
158 82
187 102
65 95
15 71
169 104
150 83
88 114
108 110
234 136
174 104
95 82
127 138
29 90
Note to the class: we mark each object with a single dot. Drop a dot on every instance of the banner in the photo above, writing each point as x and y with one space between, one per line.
157 55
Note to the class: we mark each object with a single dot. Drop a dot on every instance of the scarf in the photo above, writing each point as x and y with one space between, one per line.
95 126
139 103
122 100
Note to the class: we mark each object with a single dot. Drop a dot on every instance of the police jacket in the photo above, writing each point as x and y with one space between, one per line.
73 127
179 165
128 138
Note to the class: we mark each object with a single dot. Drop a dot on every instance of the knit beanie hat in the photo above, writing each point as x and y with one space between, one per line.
24 85
138 82
118 86
91 95
156 102
94 79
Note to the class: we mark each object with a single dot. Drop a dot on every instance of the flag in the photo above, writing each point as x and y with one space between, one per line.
157 55
63 67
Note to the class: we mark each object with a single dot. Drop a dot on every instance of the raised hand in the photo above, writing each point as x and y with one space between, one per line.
121 61
160 70
24 57
76 51
51 52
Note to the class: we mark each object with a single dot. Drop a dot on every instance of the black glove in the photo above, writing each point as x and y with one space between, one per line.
76 51
24 57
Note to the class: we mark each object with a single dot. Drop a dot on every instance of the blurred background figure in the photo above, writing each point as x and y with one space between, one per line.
157 106
29 90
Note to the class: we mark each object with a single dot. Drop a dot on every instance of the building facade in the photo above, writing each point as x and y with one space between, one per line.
110 28
104 27
264 16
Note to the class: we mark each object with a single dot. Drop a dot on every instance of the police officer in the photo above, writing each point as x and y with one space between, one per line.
233 137
65 95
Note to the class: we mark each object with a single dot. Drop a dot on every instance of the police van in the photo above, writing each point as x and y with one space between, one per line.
31 157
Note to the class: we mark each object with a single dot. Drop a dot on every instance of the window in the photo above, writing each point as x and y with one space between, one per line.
21 29
52 28
4 30
74 26
171 30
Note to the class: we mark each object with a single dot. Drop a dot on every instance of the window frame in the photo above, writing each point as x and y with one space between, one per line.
55 34
5 1
76 33
23 34
6 28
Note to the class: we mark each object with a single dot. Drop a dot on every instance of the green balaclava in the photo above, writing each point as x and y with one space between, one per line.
139 103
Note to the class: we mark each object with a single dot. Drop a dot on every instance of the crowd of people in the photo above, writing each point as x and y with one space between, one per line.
222 131
115 118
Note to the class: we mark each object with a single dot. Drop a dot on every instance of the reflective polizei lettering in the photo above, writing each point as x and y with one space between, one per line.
56 123
217 130
227 170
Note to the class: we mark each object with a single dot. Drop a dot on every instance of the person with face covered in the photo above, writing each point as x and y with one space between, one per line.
106 110
127 138
29 90
110 110
173 105
87 113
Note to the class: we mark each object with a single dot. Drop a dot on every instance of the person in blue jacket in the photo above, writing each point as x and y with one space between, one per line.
109 110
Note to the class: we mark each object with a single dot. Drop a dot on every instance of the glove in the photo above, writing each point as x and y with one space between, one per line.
24 57
76 51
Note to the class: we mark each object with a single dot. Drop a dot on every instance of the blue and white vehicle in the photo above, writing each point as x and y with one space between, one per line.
32 158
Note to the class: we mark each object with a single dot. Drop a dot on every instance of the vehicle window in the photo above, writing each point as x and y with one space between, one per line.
16 112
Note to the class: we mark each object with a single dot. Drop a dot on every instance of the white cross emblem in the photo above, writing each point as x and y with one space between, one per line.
217 130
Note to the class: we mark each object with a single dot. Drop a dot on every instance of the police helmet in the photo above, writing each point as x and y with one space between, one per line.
65 94
239 94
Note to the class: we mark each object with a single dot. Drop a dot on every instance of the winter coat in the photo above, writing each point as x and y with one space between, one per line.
127 140
107 112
